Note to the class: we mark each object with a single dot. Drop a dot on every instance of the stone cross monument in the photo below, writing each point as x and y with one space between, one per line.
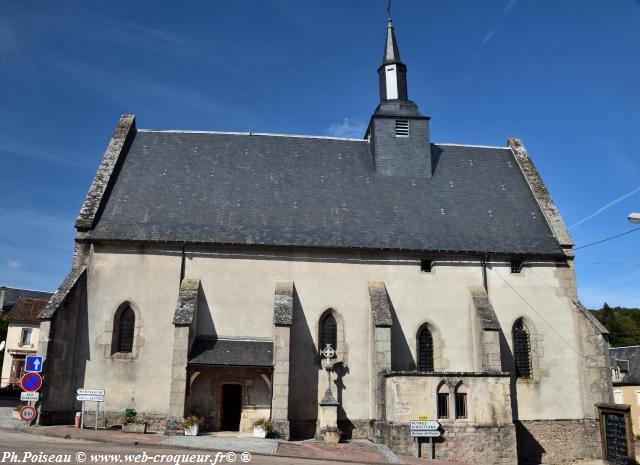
329 405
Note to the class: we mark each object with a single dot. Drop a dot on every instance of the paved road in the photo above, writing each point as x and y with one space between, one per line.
84 452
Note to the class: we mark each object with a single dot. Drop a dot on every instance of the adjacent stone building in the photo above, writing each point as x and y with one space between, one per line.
625 374
210 268
22 338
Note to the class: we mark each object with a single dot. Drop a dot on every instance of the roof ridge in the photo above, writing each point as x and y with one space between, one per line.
236 133
24 289
471 145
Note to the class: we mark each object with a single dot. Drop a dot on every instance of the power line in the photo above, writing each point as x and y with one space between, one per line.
607 239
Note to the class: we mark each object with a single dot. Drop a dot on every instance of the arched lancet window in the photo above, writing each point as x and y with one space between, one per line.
124 329
521 350
425 349
328 332
443 401
461 401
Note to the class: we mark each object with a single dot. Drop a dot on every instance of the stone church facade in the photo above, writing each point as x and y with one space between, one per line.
210 269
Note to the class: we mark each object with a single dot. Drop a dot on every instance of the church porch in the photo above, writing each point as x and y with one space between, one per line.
229 383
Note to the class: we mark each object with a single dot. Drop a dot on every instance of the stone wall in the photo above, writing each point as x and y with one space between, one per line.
108 420
413 395
64 344
493 445
557 441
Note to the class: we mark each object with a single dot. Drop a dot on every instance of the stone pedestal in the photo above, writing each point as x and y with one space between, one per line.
329 418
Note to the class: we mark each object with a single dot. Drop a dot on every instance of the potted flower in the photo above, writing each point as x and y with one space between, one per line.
192 425
131 424
261 428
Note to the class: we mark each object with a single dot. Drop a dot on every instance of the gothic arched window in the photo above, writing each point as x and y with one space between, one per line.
521 350
328 332
124 326
443 401
425 349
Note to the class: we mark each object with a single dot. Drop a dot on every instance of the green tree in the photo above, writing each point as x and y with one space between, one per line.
623 324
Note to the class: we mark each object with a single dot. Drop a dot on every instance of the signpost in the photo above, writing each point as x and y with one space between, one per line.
27 413
425 429
33 363
31 382
90 395
29 396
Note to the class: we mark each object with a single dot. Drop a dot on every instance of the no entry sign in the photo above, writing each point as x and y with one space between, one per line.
31 382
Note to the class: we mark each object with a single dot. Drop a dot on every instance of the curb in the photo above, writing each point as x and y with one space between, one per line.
33 432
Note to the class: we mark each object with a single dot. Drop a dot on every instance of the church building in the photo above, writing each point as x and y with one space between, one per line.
211 268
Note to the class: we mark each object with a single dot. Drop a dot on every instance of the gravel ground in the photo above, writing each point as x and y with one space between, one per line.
6 421
253 445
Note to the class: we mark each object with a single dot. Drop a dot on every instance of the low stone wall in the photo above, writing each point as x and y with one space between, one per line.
557 441
281 428
156 423
47 418
495 445
355 429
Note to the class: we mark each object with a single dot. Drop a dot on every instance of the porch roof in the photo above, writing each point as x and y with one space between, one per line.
231 352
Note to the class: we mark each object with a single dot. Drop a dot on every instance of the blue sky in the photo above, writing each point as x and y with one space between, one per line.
563 76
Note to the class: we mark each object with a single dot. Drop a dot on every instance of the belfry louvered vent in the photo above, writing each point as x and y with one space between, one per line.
402 128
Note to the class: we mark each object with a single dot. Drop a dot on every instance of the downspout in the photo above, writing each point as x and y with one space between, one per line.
484 273
182 264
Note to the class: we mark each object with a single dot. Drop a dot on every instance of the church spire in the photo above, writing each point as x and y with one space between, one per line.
398 132
392 73
391 52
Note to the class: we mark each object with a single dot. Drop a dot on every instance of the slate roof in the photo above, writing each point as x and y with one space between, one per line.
318 192
628 360
26 309
230 352
12 295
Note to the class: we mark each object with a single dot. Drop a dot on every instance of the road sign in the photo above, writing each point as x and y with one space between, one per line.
27 413
29 396
90 392
88 398
31 382
33 363
425 434
429 425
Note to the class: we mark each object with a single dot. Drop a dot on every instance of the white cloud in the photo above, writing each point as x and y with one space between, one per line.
488 36
605 207
510 5
13 263
347 128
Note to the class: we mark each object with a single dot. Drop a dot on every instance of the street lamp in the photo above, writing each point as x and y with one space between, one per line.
634 217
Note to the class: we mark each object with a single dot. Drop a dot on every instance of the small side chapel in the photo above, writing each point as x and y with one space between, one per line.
211 269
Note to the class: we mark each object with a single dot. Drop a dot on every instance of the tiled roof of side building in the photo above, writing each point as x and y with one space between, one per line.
318 192
630 358
26 310
12 294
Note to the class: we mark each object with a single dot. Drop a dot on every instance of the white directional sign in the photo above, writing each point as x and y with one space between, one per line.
90 392
425 434
422 425
88 398
29 396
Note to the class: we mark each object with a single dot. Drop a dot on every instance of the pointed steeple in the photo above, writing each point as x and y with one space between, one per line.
391 52
392 72
398 132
